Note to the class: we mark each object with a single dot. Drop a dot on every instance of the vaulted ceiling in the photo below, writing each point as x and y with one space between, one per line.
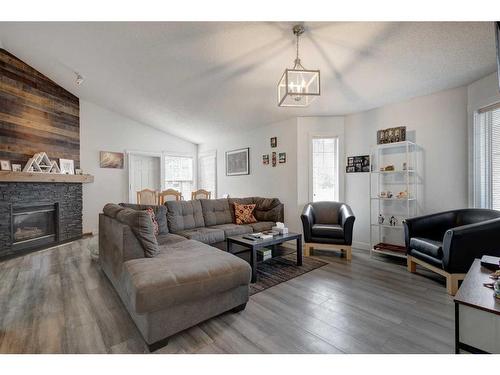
200 80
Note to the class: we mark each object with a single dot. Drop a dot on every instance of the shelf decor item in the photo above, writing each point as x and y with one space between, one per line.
393 195
391 135
5 165
67 166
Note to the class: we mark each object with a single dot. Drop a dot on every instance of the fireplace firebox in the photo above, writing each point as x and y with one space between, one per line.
34 225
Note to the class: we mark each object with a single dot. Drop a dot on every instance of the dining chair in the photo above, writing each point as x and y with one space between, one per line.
200 194
169 195
147 196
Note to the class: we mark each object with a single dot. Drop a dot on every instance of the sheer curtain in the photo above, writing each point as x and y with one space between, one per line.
207 172
486 172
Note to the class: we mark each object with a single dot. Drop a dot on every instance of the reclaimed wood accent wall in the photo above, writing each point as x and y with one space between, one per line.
36 114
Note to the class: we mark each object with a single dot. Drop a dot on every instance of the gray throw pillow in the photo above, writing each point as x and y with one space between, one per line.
141 224
160 213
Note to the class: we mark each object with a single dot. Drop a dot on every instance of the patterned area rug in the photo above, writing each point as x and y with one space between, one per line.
280 269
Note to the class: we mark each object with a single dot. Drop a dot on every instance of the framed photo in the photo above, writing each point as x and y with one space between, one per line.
110 159
238 162
273 159
282 157
5 165
274 142
16 168
391 135
265 159
358 164
78 171
67 166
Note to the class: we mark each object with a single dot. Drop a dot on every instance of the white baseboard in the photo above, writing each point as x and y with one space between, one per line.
361 245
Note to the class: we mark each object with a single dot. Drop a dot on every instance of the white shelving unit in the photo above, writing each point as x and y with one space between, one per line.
387 238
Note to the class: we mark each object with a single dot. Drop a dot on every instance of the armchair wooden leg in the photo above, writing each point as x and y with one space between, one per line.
452 283
348 253
411 265
307 250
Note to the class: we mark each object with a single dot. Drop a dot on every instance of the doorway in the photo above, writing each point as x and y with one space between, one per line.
144 173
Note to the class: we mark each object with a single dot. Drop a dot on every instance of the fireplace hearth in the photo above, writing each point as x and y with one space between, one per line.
34 225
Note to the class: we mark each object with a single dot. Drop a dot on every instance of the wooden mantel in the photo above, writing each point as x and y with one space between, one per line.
9 176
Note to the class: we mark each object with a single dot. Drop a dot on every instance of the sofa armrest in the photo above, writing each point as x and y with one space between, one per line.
461 245
431 226
117 244
346 220
307 219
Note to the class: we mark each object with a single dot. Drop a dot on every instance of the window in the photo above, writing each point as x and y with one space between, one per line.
486 153
325 169
207 172
179 174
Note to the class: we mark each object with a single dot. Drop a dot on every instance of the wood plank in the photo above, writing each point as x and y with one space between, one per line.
343 307
9 176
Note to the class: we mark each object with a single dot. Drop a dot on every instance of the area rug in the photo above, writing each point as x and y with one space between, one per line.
280 269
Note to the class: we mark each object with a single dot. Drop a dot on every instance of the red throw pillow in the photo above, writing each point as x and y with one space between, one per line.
156 228
244 213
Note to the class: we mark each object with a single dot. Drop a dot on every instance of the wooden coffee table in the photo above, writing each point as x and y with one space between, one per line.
254 245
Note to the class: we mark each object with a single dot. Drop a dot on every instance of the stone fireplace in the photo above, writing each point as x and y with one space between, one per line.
38 215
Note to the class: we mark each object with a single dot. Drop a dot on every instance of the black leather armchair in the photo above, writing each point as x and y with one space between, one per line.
448 242
328 225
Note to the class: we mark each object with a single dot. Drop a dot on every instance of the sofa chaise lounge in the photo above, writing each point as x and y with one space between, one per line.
174 280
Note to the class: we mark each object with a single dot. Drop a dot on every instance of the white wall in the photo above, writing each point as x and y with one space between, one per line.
104 130
263 180
439 124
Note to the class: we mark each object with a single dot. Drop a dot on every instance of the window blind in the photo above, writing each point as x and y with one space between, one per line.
486 152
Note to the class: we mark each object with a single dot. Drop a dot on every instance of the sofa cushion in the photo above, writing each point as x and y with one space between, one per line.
216 211
111 210
326 230
205 235
244 213
141 224
233 229
261 226
427 246
169 239
267 209
185 271
232 201
183 215
160 214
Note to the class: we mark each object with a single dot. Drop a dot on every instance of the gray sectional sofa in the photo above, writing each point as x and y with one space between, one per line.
176 279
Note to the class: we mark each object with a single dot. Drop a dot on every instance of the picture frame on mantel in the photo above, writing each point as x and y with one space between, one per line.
238 162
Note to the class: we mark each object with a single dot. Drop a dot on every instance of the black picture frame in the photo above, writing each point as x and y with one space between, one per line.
358 164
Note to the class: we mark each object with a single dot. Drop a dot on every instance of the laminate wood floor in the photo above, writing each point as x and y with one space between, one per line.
59 301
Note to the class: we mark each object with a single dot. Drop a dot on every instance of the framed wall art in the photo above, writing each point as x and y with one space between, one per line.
391 135
357 164
110 159
238 162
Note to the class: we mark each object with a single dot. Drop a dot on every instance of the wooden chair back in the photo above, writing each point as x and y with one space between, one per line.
147 196
201 194
169 195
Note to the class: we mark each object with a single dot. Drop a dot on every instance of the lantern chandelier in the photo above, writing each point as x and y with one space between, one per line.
298 87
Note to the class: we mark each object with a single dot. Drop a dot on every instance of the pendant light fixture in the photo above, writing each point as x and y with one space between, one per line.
298 87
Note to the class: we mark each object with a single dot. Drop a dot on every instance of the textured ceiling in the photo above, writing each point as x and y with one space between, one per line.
199 80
